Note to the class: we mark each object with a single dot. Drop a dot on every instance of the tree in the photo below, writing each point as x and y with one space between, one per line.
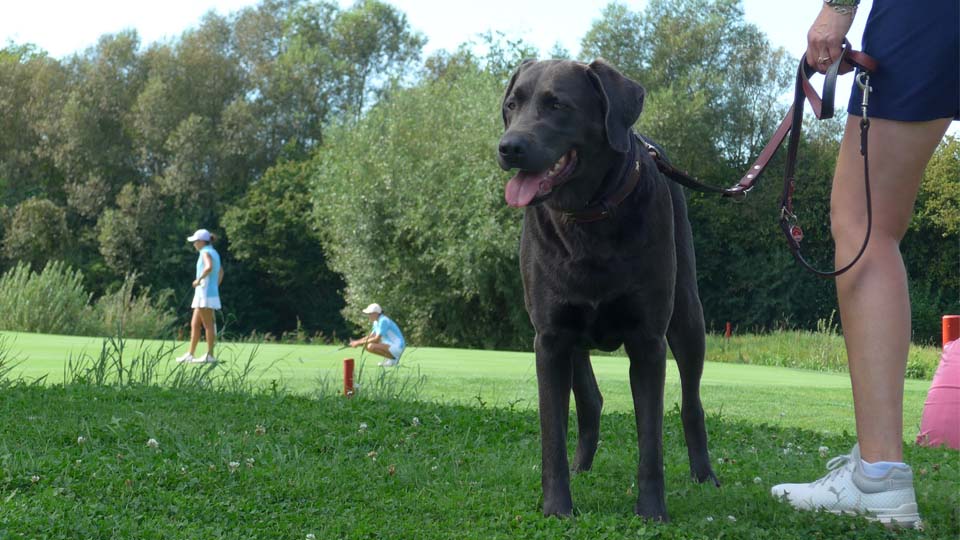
421 227
272 232
37 233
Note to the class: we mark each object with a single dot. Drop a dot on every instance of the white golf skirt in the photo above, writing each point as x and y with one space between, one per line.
201 300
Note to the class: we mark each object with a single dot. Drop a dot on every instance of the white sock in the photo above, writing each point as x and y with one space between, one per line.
880 468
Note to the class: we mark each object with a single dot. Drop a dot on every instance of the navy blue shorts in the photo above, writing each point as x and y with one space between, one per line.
917 48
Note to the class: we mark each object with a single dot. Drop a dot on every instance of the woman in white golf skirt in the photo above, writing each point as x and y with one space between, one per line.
206 296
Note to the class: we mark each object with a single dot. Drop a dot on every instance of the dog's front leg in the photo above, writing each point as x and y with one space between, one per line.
648 359
554 380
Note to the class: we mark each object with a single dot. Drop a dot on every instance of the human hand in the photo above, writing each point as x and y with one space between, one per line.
825 37
196 283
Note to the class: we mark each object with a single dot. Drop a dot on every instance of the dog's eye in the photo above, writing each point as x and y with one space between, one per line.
512 105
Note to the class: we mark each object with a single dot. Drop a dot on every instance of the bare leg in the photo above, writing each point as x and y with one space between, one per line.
206 317
380 349
873 297
196 325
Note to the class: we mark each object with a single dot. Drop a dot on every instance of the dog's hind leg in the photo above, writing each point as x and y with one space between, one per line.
686 338
589 401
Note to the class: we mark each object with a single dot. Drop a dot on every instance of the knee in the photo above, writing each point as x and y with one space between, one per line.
370 347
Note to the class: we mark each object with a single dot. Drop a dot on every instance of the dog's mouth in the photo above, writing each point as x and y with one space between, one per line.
528 186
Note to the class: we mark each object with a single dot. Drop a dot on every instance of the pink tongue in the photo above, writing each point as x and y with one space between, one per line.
522 188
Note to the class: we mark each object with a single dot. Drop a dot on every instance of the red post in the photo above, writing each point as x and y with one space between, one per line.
729 331
348 377
951 328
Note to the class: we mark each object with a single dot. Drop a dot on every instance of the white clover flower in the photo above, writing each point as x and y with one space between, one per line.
250 462
152 443
823 451
81 439
261 430
757 480
34 479
363 426
416 421
234 465
434 468
709 518
311 536
79 462
731 518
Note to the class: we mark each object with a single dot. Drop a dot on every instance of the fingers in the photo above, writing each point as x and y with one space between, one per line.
825 38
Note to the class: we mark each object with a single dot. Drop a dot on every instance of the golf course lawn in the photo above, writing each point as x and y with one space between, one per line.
820 402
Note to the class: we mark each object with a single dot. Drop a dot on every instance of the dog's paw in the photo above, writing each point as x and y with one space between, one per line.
651 508
701 475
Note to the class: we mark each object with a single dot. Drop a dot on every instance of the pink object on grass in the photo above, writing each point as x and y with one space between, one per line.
940 423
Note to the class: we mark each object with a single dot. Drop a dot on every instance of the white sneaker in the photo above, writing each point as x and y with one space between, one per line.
846 489
205 359
389 363
186 358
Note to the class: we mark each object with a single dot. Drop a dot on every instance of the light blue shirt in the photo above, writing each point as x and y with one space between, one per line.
210 283
388 331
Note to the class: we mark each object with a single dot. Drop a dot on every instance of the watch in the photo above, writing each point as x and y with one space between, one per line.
842 3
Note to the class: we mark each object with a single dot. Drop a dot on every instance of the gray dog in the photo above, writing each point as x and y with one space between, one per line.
607 259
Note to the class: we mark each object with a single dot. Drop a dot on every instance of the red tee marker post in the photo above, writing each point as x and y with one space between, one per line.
951 328
729 331
348 377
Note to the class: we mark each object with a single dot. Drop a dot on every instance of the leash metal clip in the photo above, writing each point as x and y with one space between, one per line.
863 81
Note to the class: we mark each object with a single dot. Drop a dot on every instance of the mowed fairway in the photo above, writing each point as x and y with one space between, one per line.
783 397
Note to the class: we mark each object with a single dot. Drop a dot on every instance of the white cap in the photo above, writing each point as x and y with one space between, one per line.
201 234
373 308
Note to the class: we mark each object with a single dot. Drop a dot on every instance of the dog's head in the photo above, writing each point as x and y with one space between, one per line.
564 121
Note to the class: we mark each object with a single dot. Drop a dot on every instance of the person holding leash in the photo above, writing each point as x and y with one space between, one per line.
385 339
206 296
916 94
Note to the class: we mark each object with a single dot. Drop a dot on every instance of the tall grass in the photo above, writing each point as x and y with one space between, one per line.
55 301
51 302
125 313
118 365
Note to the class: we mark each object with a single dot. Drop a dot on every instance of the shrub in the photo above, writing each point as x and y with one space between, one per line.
53 301
126 314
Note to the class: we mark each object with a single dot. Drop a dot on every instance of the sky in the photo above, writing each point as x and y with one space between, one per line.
62 27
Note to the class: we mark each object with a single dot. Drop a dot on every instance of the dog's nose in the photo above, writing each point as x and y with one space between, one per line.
512 147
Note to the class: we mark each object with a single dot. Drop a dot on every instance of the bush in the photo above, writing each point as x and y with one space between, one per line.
422 228
53 301
123 313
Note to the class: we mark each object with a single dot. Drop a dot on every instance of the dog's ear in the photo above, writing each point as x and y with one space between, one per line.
622 101
523 65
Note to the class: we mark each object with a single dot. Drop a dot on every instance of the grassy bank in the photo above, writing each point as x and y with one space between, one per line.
141 462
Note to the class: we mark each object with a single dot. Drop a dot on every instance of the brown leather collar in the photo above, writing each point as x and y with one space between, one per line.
607 204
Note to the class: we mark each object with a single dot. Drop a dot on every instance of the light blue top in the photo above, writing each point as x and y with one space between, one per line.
388 331
210 285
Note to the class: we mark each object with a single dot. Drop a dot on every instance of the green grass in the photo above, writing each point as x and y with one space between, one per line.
362 468
507 379
262 446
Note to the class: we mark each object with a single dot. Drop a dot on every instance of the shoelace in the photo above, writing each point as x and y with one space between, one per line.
835 466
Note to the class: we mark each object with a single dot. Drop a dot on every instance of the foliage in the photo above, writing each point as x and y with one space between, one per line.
51 301
272 231
128 313
109 157
37 232
419 227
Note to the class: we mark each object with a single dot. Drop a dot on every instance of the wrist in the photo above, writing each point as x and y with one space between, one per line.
843 7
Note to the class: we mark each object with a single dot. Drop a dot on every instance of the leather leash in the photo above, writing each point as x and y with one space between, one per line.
823 109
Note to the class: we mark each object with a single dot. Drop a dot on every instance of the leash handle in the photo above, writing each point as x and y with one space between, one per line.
823 109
